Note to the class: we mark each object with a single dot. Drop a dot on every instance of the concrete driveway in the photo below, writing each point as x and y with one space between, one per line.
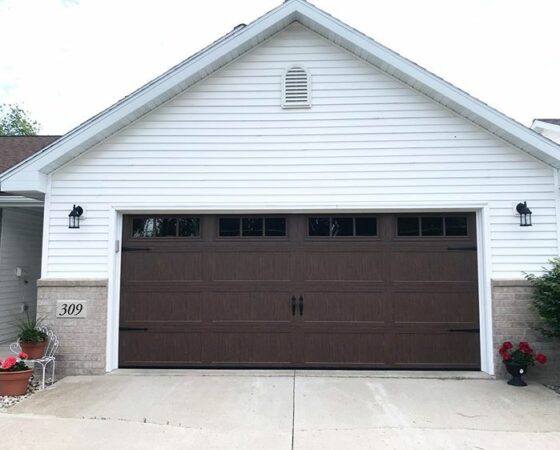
283 410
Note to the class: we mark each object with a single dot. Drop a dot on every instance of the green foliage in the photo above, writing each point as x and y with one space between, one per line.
546 299
14 121
28 332
523 359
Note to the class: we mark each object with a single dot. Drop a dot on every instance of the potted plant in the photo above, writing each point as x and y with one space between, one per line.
517 361
32 340
14 375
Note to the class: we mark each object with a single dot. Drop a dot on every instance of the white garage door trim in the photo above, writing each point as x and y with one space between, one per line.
483 244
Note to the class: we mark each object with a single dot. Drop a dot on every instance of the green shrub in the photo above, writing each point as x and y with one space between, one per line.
546 299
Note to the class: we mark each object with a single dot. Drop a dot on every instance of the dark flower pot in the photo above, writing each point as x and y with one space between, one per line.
516 371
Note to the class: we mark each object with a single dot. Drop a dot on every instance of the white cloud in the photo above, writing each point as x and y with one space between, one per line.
65 60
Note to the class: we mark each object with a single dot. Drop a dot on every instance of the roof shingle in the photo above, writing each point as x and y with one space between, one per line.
14 149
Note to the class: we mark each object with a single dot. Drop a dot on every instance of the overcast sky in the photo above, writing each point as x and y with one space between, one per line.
66 60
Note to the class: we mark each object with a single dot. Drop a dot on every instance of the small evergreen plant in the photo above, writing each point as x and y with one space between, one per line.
546 299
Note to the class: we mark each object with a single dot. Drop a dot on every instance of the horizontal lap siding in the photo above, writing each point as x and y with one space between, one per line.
20 246
367 139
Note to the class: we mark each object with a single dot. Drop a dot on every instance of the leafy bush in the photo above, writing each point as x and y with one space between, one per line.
546 299
28 331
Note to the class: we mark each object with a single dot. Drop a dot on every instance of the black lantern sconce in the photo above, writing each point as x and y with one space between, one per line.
524 215
74 217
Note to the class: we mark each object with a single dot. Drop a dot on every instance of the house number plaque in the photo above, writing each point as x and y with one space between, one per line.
71 309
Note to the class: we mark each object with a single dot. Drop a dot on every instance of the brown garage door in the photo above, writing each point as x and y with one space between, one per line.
353 291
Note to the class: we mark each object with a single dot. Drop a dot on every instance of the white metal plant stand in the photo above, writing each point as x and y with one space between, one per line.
49 357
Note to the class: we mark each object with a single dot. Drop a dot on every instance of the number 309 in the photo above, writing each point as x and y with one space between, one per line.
71 309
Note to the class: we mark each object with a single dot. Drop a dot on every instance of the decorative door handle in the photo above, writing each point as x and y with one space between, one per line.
301 305
293 305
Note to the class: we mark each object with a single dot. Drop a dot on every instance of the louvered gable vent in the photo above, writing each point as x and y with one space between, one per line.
296 89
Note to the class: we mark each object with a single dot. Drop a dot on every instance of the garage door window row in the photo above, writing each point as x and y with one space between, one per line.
165 227
252 227
342 226
432 226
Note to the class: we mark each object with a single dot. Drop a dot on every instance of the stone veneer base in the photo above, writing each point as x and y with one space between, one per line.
514 321
82 348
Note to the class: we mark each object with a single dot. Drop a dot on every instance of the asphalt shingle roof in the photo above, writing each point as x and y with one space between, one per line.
14 149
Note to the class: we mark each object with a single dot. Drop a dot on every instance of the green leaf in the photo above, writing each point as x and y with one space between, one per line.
14 121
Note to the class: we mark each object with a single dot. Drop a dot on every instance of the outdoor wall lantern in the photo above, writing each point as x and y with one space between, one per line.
74 217
524 215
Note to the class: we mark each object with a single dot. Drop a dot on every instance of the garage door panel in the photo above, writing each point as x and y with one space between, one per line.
163 306
160 266
434 307
160 348
436 286
433 266
343 306
248 306
437 350
249 348
343 266
344 349
367 301
241 266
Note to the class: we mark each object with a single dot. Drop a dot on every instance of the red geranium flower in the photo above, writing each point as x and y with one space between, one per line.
507 345
540 358
8 363
525 348
22 355
506 356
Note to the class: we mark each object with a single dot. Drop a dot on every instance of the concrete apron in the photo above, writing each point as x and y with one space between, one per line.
415 374
285 409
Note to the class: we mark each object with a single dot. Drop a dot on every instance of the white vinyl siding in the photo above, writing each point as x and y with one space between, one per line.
368 141
20 246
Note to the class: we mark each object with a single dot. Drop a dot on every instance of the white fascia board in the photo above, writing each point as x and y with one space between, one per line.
19 202
539 126
27 180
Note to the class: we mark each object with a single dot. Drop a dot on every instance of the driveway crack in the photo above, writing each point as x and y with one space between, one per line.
141 420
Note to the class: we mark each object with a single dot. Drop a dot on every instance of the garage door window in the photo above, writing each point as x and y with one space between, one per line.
252 227
342 226
432 226
165 227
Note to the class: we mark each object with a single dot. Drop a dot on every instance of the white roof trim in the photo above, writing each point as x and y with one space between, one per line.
16 201
541 125
239 41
